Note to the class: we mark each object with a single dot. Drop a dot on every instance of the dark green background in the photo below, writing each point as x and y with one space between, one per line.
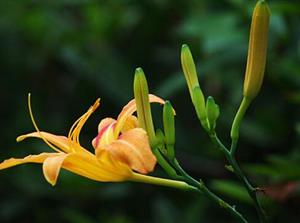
69 52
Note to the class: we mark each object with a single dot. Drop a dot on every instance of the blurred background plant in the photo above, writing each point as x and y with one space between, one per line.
69 52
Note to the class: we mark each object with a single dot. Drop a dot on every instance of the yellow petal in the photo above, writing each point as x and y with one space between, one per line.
28 159
132 148
61 142
129 109
87 166
90 167
114 166
52 166
130 123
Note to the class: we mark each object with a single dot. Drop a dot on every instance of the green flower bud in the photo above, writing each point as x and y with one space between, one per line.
169 128
199 104
141 95
189 68
212 112
190 74
257 51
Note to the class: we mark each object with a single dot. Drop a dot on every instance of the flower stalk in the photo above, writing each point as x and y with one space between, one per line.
162 182
203 189
241 176
235 128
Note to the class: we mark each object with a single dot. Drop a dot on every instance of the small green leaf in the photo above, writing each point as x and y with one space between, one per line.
229 167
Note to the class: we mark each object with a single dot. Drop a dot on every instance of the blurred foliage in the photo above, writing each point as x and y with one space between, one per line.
69 52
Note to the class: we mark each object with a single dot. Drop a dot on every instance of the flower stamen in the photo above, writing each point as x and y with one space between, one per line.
36 127
75 130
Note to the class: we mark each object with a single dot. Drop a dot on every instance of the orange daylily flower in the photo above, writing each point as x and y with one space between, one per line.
125 140
121 147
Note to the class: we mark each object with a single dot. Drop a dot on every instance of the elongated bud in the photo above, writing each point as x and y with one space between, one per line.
190 74
189 68
257 50
199 104
212 112
141 95
169 128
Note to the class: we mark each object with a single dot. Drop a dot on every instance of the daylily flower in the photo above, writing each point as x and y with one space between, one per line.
125 140
121 149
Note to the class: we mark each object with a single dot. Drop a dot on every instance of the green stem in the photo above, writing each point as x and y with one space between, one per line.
202 188
236 123
164 164
241 176
162 182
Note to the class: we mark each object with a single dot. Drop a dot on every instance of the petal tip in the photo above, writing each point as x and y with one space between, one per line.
184 46
52 182
20 138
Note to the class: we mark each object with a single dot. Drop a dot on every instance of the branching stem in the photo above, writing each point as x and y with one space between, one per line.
241 176
204 190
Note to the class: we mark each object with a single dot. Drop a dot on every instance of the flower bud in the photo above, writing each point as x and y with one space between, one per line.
257 50
141 95
189 68
212 112
199 104
190 74
169 128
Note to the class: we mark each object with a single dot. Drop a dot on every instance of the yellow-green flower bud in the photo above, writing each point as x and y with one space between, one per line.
199 104
189 68
190 74
212 112
257 50
141 95
169 128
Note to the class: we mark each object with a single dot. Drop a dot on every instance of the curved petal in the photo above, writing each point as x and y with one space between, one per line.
40 158
130 123
87 166
61 142
105 132
132 148
104 123
109 163
52 166
129 109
